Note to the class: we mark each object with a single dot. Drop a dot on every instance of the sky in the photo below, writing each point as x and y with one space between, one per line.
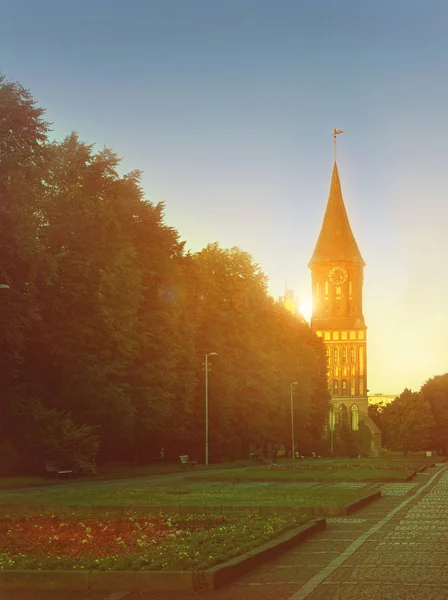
228 108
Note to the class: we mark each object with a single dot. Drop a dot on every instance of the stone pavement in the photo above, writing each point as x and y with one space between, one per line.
393 549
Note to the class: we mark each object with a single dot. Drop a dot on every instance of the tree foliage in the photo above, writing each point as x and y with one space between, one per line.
407 422
105 327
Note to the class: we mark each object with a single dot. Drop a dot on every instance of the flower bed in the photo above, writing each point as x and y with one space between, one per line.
131 542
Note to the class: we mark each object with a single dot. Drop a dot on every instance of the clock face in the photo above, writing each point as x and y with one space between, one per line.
338 275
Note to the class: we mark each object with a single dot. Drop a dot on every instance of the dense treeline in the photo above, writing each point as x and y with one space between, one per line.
416 420
107 320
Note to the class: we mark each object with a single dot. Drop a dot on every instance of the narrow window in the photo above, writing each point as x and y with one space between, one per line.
361 361
344 354
355 417
352 354
343 414
344 386
335 354
352 387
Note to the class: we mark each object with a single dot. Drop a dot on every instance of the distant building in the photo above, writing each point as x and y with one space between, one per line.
386 398
337 279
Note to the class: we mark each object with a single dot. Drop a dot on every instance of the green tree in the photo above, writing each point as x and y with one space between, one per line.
435 392
407 422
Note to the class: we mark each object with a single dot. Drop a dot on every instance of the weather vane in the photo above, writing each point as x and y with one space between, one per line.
335 133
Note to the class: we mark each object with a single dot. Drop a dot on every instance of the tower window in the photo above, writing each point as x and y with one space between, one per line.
353 335
361 361
361 335
327 335
336 335
344 354
353 370
335 354
355 417
335 387
336 371
352 354
361 387
338 292
344 386
352 387
344 335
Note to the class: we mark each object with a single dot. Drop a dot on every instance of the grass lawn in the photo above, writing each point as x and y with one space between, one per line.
314 474
133 542
192 495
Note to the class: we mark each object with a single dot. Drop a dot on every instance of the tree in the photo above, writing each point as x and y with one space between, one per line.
435 392
407 422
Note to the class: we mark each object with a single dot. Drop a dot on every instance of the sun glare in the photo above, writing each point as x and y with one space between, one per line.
306 309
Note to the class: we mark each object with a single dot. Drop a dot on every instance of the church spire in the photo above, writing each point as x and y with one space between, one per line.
336 241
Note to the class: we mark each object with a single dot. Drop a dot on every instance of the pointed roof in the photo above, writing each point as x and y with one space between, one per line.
336 241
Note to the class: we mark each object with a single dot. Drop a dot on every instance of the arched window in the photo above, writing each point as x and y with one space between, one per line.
331 418
355 417
361 361
352 387
327 350
335 387
344 354
343 418
344 386
335 354
352 354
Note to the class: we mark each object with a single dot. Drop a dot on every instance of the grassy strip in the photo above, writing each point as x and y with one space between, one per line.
305 475
130 542
192 495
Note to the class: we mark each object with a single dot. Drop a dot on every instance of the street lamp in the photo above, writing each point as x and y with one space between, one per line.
206 403
292 418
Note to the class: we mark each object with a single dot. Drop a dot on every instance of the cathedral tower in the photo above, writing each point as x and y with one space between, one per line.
337 280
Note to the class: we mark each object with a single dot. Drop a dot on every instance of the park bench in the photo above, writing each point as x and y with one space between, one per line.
184 460
53 468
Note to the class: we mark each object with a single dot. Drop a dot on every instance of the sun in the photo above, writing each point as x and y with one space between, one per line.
306 309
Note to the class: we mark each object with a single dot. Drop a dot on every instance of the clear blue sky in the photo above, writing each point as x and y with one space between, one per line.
227 106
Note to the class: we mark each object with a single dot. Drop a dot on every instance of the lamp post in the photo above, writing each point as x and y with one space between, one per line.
292 418
206 403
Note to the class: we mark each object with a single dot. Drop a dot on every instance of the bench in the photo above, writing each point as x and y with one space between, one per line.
52 468
184 460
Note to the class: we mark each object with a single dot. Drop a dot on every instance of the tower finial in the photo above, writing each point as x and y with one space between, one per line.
335 133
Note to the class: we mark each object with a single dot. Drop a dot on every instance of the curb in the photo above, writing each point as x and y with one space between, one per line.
185 581
196 479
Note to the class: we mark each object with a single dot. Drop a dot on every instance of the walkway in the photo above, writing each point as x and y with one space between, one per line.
393 549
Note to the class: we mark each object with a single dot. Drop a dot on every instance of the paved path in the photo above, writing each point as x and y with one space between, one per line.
393 549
